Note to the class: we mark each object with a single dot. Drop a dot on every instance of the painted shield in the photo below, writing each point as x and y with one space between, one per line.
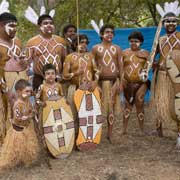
173 68
90 119
173 65
58 127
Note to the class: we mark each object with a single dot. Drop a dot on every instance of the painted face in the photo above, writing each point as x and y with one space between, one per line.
10 29
134 44
170 24
50 76
47 26
71 33
108 35
26 92
83 45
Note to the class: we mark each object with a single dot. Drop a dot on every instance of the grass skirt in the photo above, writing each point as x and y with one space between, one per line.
162 97
20 147
107 102
2 119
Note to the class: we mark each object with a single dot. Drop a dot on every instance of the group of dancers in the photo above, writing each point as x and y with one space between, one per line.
61 65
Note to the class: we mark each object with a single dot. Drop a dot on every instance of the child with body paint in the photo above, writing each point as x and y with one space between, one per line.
21 143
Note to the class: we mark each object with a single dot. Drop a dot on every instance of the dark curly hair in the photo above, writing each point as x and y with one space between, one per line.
43 17
5 17
81 36
47 67
136 35
65 29
21 84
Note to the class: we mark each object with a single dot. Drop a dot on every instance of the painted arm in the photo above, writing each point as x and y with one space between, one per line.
29 53
60 90
121 68
95 70
39 98
67 74
66 69
62 56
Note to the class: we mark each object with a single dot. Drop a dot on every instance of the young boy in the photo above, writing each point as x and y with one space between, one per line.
21 143
50 89
134 58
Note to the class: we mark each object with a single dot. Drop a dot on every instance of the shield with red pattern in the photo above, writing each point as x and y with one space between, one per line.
58 127
90 119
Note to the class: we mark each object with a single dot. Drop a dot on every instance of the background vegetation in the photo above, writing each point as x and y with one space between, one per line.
120 13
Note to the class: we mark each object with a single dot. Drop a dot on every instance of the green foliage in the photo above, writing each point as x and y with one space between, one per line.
120 13
25 29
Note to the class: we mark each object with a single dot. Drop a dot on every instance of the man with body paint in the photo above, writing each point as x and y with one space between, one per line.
80 68
12 66
109 61
166 80
45 48
134 59
15 67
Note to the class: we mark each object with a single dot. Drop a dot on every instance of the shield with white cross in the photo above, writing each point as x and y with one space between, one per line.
58 127
90 119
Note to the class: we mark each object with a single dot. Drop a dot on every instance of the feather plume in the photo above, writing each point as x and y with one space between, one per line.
4 6
176 3
177 12
101 23
43 10
31 15
171 6
95 26
168 7
52 13
160 10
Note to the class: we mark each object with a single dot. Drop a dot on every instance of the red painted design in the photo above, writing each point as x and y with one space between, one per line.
82 121
57 114
48 130
70 125
90 132
61 141
90 119
89 103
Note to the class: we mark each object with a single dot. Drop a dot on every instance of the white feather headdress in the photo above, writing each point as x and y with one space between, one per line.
168 7
95 26
4 6
32 16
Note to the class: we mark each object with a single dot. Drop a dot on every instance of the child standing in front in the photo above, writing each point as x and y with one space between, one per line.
21 143
50 89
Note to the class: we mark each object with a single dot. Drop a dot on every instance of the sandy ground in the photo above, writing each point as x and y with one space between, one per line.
130 157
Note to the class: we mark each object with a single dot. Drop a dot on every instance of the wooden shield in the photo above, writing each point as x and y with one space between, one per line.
90 119
173 68
58 127
173 65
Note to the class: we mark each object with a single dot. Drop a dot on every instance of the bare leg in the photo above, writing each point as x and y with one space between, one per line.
178 137
139 103
126 115
2 120
70 99
110 126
